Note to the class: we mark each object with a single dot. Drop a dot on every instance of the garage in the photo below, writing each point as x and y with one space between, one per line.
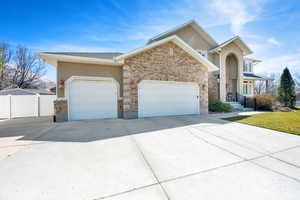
165 98
92 98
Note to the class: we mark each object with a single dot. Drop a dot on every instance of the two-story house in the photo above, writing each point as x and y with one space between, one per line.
175 73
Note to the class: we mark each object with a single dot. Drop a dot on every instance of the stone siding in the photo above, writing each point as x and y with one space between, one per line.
61 110
213 86
167 62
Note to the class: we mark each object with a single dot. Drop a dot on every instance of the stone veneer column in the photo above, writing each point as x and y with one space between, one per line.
61 110
128 112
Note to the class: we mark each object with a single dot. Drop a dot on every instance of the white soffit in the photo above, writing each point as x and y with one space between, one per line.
52 59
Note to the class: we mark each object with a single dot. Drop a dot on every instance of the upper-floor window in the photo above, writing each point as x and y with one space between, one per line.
248 66
202 53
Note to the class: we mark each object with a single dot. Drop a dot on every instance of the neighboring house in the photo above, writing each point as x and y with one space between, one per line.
298 97
175 73
20 91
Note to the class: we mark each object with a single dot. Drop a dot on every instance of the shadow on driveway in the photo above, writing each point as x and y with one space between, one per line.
43 129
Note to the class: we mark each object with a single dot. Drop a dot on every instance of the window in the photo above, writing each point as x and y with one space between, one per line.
247 88
248 66
202 53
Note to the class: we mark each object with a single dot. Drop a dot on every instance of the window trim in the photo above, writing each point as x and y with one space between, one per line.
248 88
248 67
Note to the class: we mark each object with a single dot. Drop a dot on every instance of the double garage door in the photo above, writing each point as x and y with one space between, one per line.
96 99
164 98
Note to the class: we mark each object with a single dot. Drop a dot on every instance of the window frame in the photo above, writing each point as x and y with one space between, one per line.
248 88
248 67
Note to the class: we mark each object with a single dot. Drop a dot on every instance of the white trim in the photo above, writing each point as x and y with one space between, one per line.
254 61
166 82
243 46
195 25
210 66
94 78
52 59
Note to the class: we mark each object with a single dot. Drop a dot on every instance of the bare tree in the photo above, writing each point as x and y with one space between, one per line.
5 57
260 87
27 69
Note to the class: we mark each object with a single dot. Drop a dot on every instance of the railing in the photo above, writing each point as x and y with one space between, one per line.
232 97
248 102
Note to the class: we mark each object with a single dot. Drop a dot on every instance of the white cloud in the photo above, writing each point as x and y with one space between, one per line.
273 41
237 13
277 64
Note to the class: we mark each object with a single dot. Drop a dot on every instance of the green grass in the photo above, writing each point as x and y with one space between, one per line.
288 122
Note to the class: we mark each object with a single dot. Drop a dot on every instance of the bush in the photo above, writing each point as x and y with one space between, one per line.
218 106
264 102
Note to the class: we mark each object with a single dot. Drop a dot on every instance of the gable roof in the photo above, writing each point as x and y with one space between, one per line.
192 23
254 76
90 58
210 66
103 55
238 41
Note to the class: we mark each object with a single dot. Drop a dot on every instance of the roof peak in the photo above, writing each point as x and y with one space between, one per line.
176 28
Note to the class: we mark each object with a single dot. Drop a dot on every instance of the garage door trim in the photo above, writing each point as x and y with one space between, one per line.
68 82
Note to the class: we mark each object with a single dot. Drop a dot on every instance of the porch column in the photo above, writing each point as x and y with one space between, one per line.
240 76
222 77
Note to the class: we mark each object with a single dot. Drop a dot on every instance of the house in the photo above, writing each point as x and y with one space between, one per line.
20 91
298 97
175 73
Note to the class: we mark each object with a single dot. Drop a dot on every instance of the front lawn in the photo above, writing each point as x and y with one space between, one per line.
288 122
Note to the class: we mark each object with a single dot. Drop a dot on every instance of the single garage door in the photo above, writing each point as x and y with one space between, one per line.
163 98
92 99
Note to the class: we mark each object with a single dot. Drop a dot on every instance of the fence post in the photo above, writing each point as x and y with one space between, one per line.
9 100
38 104
255 104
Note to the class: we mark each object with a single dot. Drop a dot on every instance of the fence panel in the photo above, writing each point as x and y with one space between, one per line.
4 107
46 105
24 106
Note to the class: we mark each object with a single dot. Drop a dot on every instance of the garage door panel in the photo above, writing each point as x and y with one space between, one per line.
93 99
168 98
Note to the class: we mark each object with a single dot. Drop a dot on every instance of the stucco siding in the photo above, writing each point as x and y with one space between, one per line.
193 38
227 50
167 62
66 70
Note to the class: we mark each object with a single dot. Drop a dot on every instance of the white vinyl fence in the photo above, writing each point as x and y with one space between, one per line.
12 106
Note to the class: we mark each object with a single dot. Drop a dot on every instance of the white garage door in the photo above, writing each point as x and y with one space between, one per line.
92 99
163 98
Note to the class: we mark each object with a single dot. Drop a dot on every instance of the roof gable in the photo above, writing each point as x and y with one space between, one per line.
191 23
210 66
238 41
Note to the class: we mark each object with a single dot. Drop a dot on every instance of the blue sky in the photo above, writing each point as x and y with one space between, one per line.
270 27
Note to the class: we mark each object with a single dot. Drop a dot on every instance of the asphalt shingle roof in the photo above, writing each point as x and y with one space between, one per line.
102 55
250 75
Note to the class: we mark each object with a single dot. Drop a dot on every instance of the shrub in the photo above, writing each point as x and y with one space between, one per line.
218 106
264 102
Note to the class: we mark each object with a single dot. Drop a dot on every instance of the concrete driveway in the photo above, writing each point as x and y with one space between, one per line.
184 157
